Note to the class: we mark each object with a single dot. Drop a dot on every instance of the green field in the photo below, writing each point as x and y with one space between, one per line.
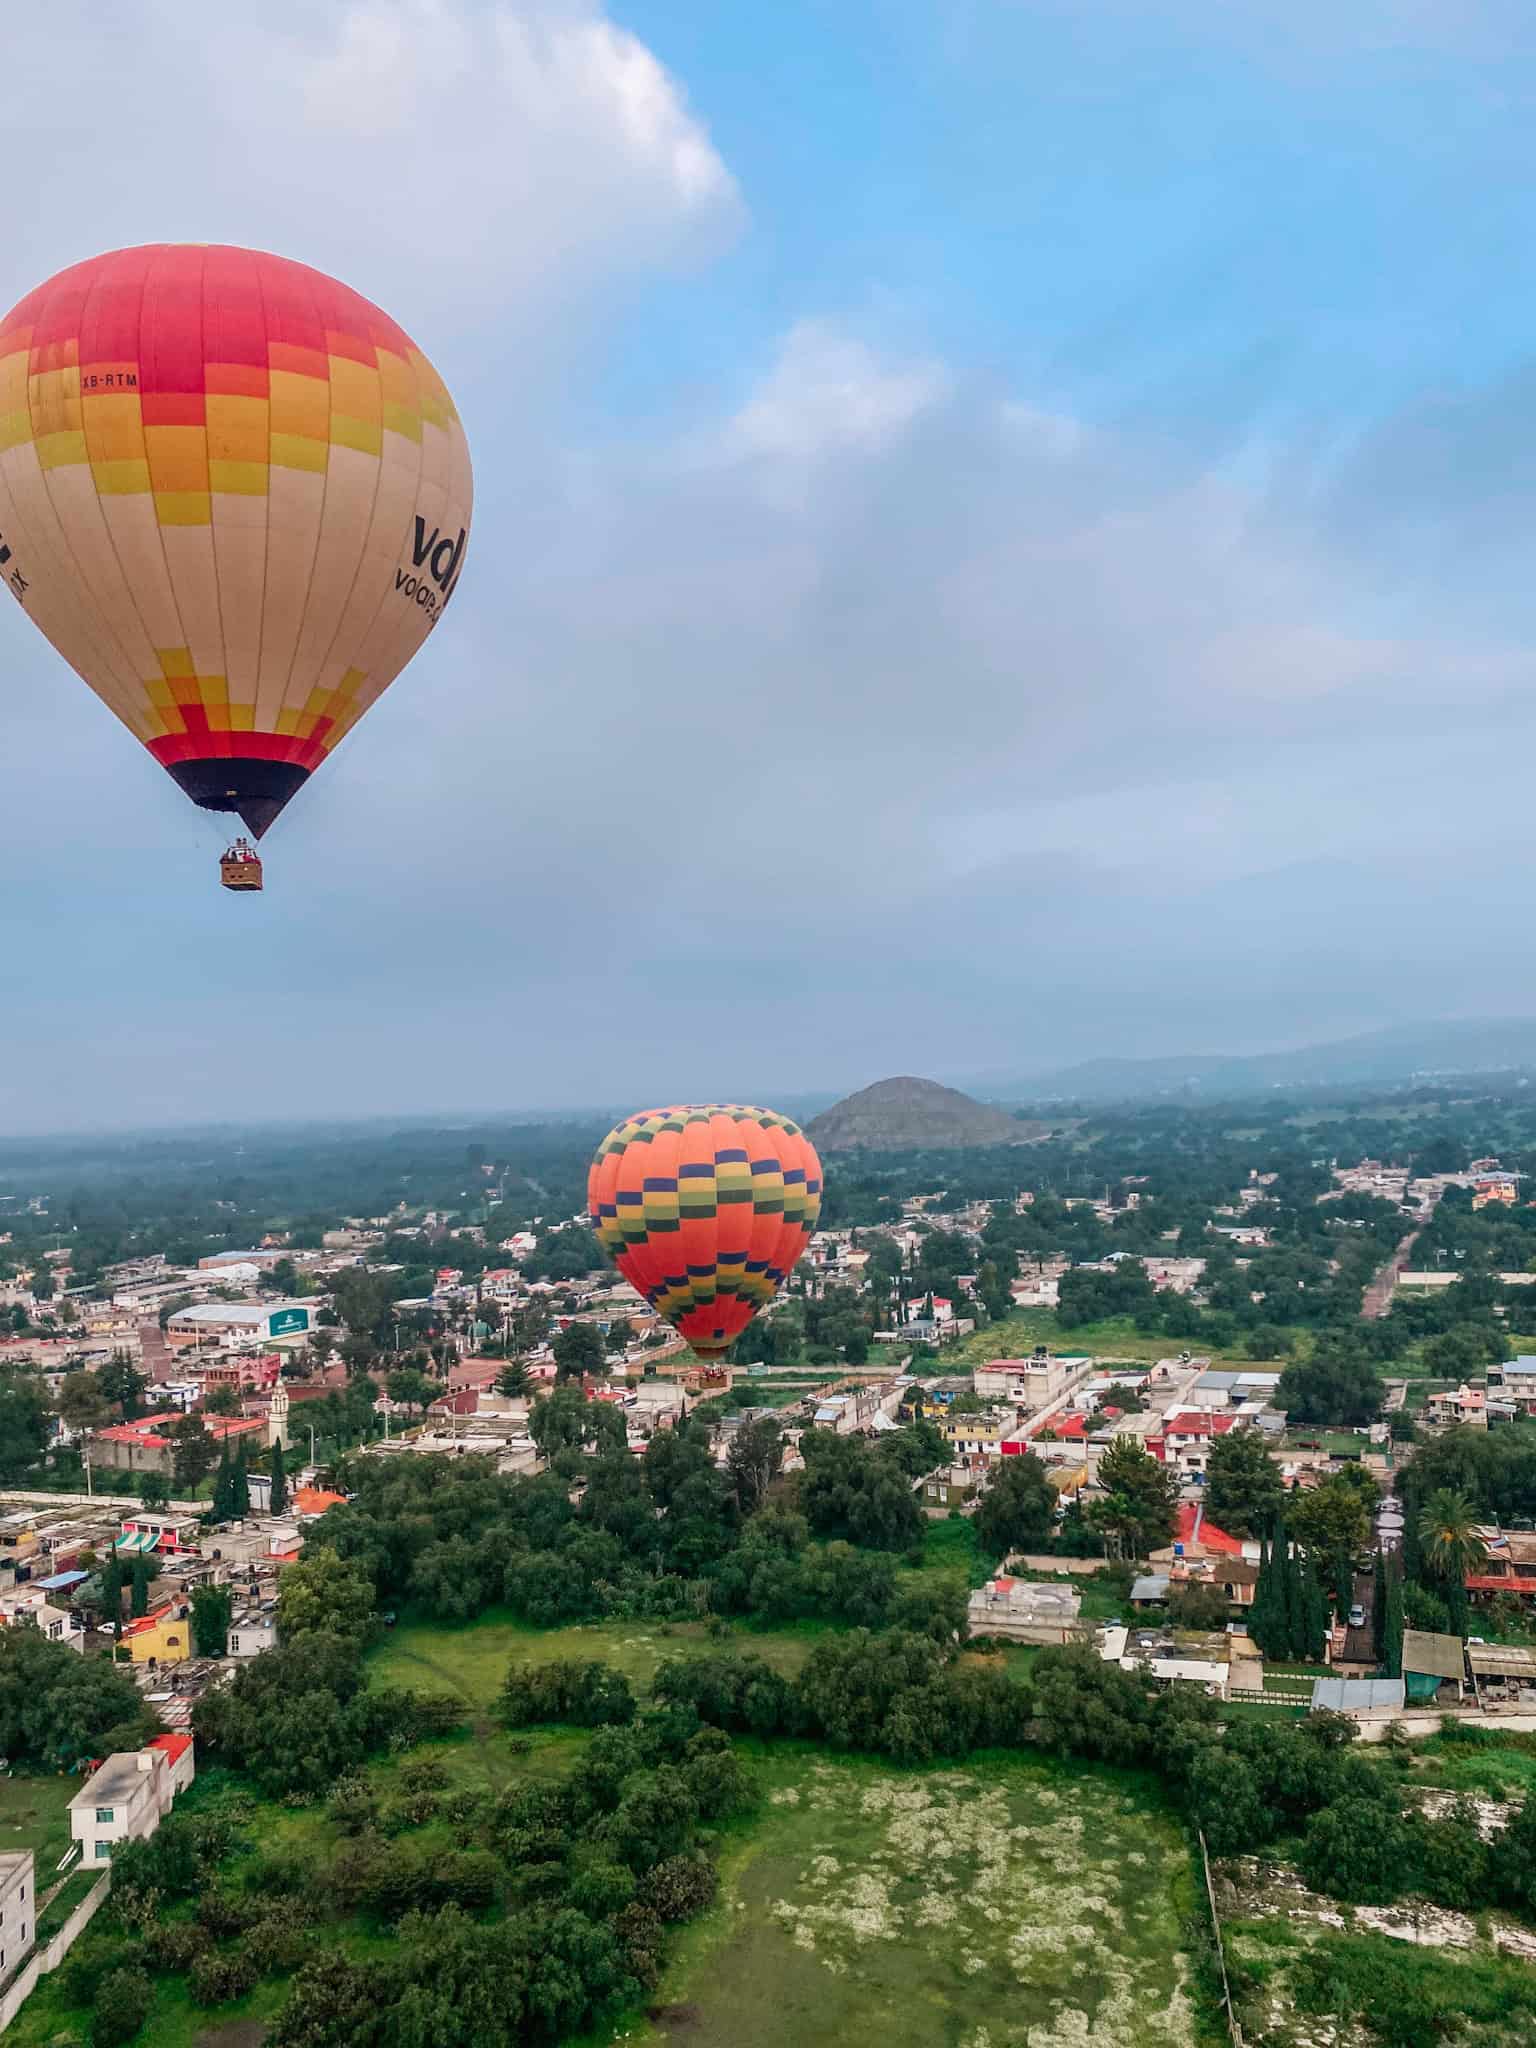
472 1658
1006 1904
34 1814
1115 1338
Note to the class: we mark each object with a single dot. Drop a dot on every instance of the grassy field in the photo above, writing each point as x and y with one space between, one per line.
1004 1904
472 1658
34 1814
1115 1338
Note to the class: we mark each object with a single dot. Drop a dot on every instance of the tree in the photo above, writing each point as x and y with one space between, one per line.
754 1456
1140 1500
579 1351
82 1404
279 1471
324 1594
1451 1545
1243 1486
138 1592
411 1389
211 1608
1332 1523
240 1486
57 1707
194 1454
222 1401
1335 1387
1197 1606
223 1504
122 1385
1018 1509
1392 1627
512 1382
155 1490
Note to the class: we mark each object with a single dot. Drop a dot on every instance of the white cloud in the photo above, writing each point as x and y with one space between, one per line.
829 391
474 160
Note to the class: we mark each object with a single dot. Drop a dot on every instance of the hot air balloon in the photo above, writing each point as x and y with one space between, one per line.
705 1209
236 498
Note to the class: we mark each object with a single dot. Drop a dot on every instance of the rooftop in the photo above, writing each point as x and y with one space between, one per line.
1356 1695
1432 1656
117 1777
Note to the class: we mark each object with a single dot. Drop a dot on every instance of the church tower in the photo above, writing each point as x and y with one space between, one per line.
277 1417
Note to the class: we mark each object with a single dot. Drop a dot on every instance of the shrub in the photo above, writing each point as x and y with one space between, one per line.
121 2006
221 1975
177 1944
679 1887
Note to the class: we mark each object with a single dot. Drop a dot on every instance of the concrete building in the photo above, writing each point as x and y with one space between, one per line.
129 1794
238 1323
18 1908
1025 1611
1029 1382
251 1632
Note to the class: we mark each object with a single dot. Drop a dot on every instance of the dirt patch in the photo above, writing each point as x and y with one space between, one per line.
676 2019
234 2034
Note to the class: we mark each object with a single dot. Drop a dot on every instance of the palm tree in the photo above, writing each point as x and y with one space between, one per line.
1451 1544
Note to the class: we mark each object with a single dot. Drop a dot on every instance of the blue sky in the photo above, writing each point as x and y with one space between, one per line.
1003 533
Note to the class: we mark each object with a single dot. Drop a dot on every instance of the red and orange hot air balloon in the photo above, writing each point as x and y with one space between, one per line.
705 1210
236 498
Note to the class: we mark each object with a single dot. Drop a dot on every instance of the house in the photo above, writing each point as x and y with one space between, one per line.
310 1502
1170 1658
1025 1611
1184 1442
1462 1404
128 1795
161 1637
31 1609
1430 1661
159 1533
1509 1565
18 1908
1029 1382
975 1440
1515 1379
251 1632
143 1446
940 1491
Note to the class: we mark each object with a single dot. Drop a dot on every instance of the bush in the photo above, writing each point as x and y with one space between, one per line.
121 2006
177 1944
588 1694
222 1974
679 1887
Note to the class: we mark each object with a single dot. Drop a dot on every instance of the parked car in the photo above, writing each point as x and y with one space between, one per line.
1357 1616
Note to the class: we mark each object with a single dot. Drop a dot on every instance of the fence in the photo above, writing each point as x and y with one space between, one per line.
22 1985
1233 2028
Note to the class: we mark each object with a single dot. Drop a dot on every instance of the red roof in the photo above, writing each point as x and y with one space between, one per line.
151 1620
1065 1425
314 1500
1192 1527
174 1746
1198 1422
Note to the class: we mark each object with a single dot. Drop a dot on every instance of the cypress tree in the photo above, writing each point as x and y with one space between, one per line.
112 1591
1392 1626
240 1486
138 1595
279 1479
1315 1612
223 1488
1266 1622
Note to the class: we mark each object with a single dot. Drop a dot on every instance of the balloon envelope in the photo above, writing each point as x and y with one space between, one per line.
235 496
705 1209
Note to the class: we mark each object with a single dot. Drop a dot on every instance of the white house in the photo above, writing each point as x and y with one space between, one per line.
18 1908
251 1632
128 1795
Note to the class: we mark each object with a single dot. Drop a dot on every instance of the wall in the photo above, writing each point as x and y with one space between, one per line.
21 1987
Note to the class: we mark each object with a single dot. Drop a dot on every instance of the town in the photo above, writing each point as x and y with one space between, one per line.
1263 1450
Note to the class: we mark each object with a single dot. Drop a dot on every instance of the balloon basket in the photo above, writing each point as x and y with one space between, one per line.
240 869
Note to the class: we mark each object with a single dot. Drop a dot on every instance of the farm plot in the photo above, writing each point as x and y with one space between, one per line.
1006 1905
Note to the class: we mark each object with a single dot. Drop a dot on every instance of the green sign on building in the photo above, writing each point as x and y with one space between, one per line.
284 1321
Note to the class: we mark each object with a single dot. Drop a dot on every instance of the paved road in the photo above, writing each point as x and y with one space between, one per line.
1359 1645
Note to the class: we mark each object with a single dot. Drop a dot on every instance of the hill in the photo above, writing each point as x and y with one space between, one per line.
908 1115
1399 1053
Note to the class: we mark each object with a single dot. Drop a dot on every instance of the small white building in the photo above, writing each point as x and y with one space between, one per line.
251 1632
128 1795
18 1908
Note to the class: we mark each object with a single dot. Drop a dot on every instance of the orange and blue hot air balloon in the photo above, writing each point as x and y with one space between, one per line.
236 498
705 1209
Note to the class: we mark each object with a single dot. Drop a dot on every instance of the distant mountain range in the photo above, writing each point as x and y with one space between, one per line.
1399 1053
908 1115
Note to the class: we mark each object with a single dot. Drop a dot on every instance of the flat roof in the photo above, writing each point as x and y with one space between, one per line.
1432 1656
1345 1695
118 1776
1501 1660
